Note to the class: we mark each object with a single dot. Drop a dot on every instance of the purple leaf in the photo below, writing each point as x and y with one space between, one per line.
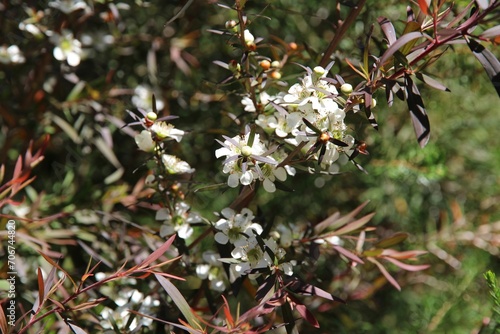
388 29
299 287
418 114
489 61
307 315
398 45
431 82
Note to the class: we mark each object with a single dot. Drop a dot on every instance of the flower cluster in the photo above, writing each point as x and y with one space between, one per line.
310 114
251 251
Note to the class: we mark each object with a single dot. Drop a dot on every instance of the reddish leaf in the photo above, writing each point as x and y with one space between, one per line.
157 253
398 45
424 6
385 273
353 257
409 267
307 315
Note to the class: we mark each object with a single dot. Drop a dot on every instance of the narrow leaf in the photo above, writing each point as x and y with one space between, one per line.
397 45
157 253
351 256
354 225
385 273
3 321
405 266
179 300
388 29
489 61
492 32
333 222
41 286
431 82
418 114
75 329
424 6
307 315
394 239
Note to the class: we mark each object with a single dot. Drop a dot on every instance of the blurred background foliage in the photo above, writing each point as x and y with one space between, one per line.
445 195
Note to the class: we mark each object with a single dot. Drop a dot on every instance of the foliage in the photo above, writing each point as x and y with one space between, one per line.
138 96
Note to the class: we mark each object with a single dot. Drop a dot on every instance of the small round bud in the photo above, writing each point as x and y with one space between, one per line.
230 24
319 70
151 116
276 64
293 46
346 88
276 75
374 103
246 151
265 64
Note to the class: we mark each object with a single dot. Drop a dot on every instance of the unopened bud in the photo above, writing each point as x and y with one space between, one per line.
265 64
374 103
319 70
230 24
276 75
293 46
346 88
151 116
276 64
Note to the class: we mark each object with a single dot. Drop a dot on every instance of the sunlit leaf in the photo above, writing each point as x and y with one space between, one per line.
489 61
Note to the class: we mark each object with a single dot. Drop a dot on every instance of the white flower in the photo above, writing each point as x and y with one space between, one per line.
11 55
242 158
145 141
67 48
143 99
235 228
212 270
178 222
247 35
269 175
164 130
69 6
174 165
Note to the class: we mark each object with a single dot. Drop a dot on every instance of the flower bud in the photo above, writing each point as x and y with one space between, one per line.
230 24
319 70
276 75
346 88
265 64
151 116
293 46
276 64
374 103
